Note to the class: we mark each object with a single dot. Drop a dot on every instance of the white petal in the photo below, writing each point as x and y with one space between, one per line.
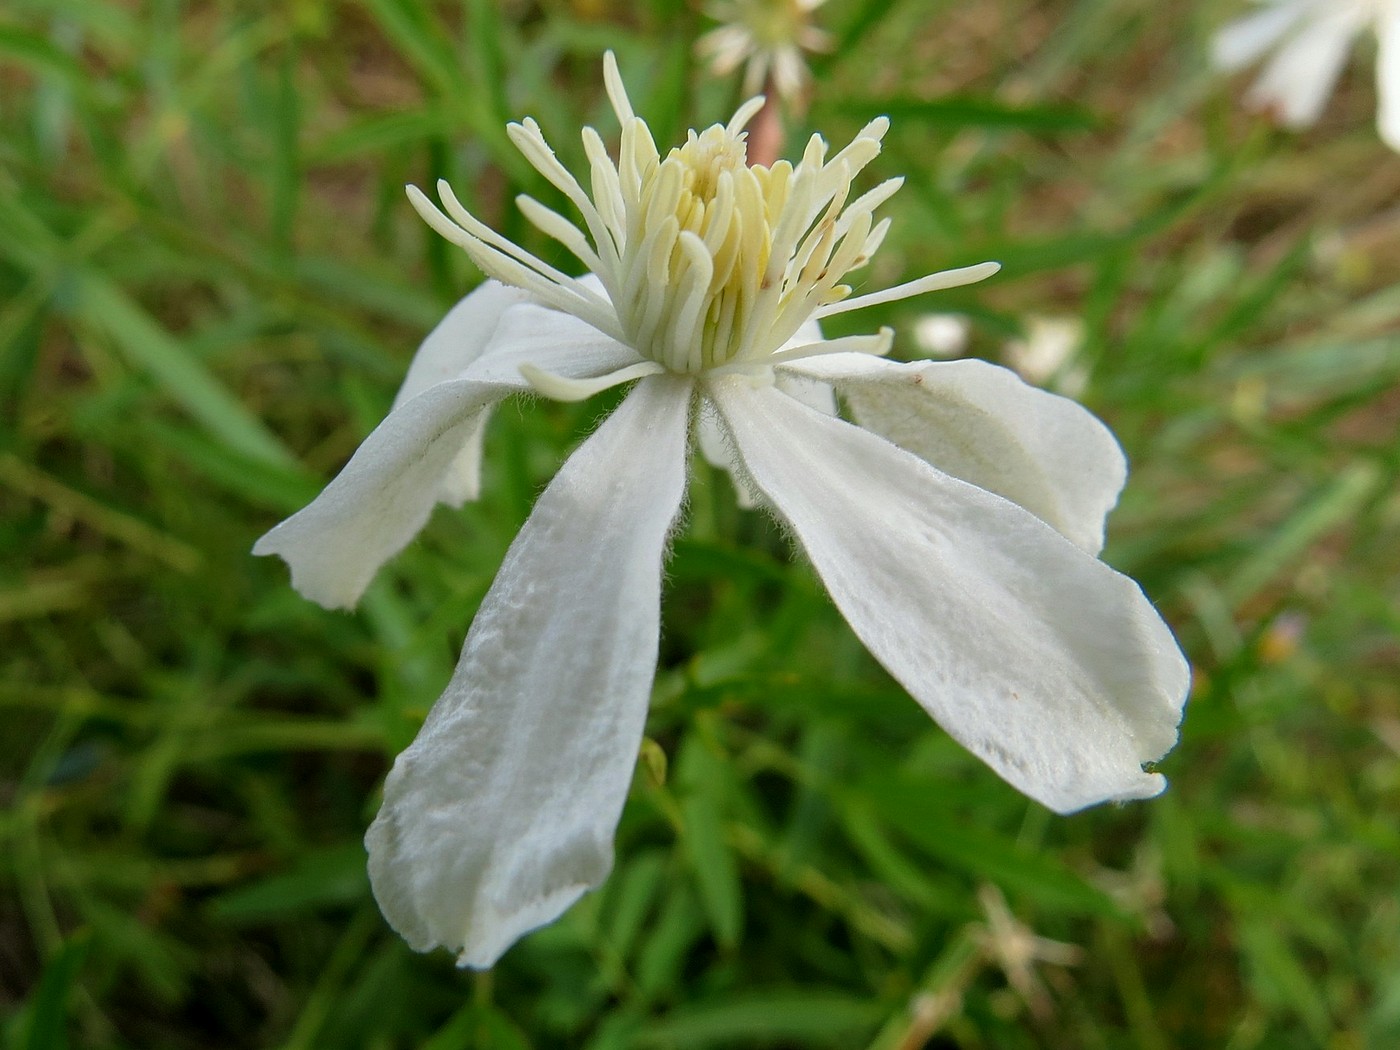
551 341
718 450
461 481
1041 660
427 448
1242 42
1388 77
983 424
711 439
814 393
715 447
502 812
1297 81
459 338
336 544
456 342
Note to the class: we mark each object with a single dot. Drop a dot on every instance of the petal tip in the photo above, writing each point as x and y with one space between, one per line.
339 595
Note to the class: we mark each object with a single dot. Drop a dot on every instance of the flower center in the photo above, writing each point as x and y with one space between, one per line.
706 262
718 262
698 242
774 24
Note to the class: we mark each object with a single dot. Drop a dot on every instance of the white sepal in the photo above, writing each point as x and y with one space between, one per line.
502 811
714 443
427 448
1245 41
383 496
1297 81
459 339
984 424
551 341
450 349
1039 659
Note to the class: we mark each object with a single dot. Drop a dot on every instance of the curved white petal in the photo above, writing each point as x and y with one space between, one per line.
551 341
459 338
383 496
424 449
457 341
714 446
1388 77
502 812
812 392
1044 662
1297 81
461 481
1244 41
982 423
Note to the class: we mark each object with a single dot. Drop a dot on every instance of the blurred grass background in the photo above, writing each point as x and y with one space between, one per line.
210 285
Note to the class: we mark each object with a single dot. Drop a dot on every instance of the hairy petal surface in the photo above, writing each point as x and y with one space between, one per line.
502 812
716 446
385 494
984 424
714 443
1044 662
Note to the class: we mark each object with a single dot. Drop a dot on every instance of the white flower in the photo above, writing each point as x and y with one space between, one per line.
1311 39
974 582
768 38
1047 355
942 334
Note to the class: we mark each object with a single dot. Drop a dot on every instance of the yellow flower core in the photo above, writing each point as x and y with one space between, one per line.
704 234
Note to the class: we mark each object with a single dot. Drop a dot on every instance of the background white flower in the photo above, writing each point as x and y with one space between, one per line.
1048 354
767 37
956 528
1311 39
942 334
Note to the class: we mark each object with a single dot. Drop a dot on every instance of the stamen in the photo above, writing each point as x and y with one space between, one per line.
868 202
877 345
550 222
744 114
565 388
707 263
495 263
479 230
531 142
694 289
934 282
872 243
607 193
617 91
